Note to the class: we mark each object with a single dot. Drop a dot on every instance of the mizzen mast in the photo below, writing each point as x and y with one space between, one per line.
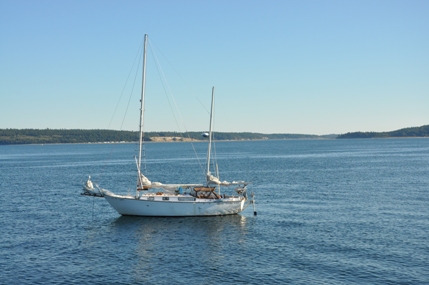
210 135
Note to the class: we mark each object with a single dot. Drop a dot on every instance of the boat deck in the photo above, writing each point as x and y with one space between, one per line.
164 197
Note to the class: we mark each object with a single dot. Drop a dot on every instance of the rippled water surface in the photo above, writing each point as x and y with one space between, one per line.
329 212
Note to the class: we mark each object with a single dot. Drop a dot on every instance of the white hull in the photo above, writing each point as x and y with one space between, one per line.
175 206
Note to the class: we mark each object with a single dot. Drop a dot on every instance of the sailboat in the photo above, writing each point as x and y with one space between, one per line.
179 200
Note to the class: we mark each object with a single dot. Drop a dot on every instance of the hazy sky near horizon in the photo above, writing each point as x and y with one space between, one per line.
309 67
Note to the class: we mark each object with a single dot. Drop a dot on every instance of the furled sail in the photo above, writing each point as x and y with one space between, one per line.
88 185
215 180
146 184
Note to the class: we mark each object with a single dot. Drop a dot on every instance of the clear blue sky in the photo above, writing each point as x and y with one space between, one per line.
310 67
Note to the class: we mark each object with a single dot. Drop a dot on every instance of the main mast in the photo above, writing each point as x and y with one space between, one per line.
142 110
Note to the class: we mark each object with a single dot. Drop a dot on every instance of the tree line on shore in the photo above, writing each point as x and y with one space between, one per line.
45 136
422 131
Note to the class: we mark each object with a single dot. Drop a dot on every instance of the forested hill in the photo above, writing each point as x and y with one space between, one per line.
37 136
422 131
45 136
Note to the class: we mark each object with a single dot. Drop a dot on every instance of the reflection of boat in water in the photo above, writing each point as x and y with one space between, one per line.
180 242
154 227
166 200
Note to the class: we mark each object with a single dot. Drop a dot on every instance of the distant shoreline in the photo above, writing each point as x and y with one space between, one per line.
49 136
199 141
55 136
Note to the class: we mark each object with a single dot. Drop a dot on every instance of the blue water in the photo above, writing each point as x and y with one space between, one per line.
329 212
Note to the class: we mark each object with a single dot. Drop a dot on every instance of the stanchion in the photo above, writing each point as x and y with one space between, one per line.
254 206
